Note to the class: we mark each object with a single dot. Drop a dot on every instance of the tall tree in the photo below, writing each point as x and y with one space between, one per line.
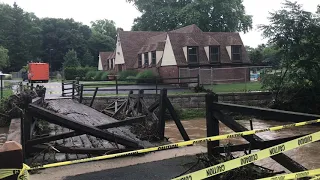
71 59
87 59
59 35
209 15
296 33
105 27
4 58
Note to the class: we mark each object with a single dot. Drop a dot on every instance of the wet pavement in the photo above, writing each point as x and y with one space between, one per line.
308 155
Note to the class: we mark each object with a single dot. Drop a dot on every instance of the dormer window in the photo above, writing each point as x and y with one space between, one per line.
236 53
139 60
193 54
146 58
153 58
214 54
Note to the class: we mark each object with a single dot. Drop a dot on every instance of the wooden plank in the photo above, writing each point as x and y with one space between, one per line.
74 125
162 109
76 150
176 120
212 124
94 96
123 105
265 113
255 140
154 106
46 139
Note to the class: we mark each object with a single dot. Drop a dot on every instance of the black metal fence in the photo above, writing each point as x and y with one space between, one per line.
74 88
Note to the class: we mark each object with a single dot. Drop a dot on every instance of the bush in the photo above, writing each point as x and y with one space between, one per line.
147 76
71 73
131 79
8 77
90 75
98 75
104 76
123 75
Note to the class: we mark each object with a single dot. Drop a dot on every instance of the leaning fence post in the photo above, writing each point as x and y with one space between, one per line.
81 93
162 110
62 88
212 123
73 86
117 85
140 95
94 96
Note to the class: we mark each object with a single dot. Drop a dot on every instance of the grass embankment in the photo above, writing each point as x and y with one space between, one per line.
7 90
235 87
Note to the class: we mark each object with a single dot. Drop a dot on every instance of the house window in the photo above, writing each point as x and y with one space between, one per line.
214 54
236 53
193 55
111 60
140 60
153 58
146 58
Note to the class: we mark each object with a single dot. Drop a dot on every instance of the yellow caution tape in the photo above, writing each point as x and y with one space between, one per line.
23 173
297 175
316 178
176 145
248 159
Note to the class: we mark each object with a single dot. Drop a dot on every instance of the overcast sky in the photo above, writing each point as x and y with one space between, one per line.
124 13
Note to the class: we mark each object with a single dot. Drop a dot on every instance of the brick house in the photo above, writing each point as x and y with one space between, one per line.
165 52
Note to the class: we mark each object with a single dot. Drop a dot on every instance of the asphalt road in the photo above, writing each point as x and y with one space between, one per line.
159 170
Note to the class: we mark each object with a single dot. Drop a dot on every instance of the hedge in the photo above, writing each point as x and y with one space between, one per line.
71 73
147 76
123 75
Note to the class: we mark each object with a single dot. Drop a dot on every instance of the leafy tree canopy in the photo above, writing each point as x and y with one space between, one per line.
209 15
296 34
71 59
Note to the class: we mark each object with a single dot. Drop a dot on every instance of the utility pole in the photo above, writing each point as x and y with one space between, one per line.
50 60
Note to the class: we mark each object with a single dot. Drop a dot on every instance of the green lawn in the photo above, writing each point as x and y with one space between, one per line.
235 87
7 92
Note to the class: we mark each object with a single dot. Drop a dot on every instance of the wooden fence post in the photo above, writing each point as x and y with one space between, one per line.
11 158
73 86
139 106
26 125
162 110
117 85
94 96
212 123
62 88
81 93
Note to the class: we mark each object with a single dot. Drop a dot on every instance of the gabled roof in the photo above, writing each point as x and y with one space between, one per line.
131 43
222 39
104 56
138 42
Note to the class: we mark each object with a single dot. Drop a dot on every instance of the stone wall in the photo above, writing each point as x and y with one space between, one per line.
194 100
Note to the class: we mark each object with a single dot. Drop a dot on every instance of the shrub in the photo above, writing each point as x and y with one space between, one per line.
90 75
123 75
104 76
98 75
131 79
8 77
147 76
71 73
